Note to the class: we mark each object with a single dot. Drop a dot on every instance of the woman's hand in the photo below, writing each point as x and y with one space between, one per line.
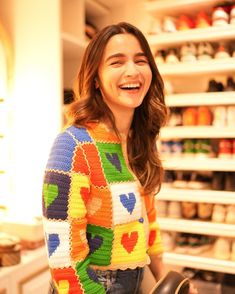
192 289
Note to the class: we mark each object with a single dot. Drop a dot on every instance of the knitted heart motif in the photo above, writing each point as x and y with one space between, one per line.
114 159
152 237
94 242
128 201
94 205
129 242
53 242
50 192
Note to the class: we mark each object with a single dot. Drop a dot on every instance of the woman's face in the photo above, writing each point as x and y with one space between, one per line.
124 74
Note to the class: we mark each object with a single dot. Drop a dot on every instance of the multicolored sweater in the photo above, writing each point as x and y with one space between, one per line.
95 214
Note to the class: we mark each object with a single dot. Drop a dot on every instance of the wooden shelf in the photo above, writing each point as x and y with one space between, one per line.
202 164
184 132
196 227
198 99
72 46
198 67
168 7
206 196
200 262
210 34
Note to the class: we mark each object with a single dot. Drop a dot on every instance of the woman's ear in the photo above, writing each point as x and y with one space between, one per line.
96 84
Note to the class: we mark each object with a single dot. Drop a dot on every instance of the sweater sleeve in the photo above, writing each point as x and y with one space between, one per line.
155 241
65 193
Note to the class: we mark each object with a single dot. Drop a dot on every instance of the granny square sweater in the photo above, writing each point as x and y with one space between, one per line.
95 213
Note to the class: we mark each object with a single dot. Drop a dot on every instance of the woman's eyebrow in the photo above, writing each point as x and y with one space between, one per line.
118 55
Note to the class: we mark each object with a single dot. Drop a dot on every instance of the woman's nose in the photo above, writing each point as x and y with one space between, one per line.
131 69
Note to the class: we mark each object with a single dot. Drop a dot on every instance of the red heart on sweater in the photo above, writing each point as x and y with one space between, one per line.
129 241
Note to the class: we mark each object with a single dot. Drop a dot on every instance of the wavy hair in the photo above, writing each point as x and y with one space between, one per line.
148 118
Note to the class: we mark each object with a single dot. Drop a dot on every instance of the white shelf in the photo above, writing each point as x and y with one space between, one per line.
199 262
198 99
210 34
72 46
206 196
168 7
215 66
196 227
203 164
184 132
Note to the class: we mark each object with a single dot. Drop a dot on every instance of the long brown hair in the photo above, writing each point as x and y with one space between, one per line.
148 118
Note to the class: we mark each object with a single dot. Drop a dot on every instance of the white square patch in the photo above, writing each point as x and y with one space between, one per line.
58 243
126 200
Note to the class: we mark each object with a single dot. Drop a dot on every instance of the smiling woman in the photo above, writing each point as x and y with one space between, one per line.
104 169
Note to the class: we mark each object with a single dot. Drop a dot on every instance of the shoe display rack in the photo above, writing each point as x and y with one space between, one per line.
190 80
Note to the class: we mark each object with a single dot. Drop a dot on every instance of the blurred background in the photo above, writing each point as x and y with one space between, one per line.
41 47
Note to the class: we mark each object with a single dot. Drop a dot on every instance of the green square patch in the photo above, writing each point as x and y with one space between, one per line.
100 243
113 163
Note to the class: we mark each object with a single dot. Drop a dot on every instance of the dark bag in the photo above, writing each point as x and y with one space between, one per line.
172 283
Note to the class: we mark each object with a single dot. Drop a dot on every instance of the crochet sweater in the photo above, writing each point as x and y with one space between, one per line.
95 213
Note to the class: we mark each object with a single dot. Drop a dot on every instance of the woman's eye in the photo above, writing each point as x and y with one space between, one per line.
141 61
115 63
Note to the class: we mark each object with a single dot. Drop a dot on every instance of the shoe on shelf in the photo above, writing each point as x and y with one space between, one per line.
225 148
177 148
200 180
168 241
182 244
175 117
188 53
168 178
205 51
165 149
219 213
189 209
214 86
169 24
203 149
198 244
202 20
162 207
204 211
230 216
159 57
231 116
230 84
222 52
229 182
219 17
233 250
190 116
185 23
181 180
218 181
174 209
189 149
204 116
220 116
171 57
222 248
155 27
232 15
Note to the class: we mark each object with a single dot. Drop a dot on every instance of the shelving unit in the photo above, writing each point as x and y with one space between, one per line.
196 227
205 262
210 34
213 66
185 132
206 196
198 99
189 80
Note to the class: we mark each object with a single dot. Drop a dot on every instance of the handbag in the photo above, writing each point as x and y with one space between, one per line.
172 283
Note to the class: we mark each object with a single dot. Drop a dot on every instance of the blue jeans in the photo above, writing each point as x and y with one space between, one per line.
117 282
121 282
